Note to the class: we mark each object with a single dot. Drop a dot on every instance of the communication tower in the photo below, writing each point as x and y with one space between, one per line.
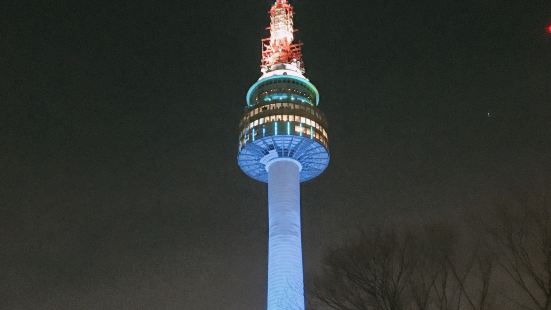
283 141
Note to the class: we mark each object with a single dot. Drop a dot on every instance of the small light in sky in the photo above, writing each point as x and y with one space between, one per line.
490 114
549 29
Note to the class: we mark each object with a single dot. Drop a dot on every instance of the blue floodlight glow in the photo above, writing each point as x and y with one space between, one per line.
312 155
285 279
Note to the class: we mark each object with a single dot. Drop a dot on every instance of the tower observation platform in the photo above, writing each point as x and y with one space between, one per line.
282 121
283 141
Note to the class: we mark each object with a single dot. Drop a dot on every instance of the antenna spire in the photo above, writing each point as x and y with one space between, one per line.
279 48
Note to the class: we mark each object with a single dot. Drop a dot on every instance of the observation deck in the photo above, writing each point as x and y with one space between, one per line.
281 120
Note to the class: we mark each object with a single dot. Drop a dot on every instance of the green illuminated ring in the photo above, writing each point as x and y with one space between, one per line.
276 77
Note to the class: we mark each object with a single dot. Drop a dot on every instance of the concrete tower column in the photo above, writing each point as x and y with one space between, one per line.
285 275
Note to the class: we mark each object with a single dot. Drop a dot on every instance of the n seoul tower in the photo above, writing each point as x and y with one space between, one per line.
283 142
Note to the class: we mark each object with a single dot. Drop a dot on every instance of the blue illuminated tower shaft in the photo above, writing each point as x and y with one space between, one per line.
283 141
285 279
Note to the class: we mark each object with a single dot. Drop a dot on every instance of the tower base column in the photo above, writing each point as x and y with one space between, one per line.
285 275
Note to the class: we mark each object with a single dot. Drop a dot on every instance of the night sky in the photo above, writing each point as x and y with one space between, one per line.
118 137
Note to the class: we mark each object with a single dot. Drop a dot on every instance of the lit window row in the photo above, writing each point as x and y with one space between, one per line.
287 118
274 94
284 96
283 105
280 128
309 131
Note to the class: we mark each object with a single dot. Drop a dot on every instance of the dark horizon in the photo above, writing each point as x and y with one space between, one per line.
120 186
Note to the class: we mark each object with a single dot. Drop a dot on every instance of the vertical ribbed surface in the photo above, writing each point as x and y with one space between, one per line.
285 282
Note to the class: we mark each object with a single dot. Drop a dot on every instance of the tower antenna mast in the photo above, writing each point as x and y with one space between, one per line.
279 48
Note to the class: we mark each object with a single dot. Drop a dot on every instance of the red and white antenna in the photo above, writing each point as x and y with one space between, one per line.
279 51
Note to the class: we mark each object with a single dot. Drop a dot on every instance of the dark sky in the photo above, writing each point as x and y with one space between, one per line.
118 137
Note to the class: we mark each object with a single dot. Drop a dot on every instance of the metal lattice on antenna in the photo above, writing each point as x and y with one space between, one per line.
279 48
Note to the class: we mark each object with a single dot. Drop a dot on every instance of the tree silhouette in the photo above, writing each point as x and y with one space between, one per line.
405 270
521 238
502 260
